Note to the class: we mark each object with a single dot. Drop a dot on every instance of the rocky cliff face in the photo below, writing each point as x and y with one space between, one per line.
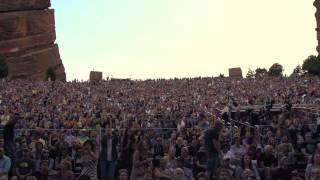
27 39
317 5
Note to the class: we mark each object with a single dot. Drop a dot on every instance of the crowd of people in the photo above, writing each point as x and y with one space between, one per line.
159 129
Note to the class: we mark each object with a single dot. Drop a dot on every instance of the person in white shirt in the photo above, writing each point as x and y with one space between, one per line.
238 150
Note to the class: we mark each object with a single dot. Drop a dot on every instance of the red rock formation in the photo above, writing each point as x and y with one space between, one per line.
27 39
317 5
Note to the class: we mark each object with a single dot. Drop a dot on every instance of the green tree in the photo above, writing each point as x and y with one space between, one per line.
297 71
276 70
312 65
260 72
51 74
250 74
4 68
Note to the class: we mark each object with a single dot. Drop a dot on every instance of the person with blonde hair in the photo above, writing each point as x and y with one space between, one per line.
179 174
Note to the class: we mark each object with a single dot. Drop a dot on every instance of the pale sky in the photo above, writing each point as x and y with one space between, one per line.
182 38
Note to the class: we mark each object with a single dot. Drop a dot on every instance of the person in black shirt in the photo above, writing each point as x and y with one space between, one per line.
158 147
213 147
282 172
268 158
8 136
109 154
24 166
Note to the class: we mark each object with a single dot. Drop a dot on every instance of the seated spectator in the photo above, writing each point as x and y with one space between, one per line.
237 148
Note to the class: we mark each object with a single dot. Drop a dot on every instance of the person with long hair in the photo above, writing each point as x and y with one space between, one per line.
313 165
246 163
140 161
89 160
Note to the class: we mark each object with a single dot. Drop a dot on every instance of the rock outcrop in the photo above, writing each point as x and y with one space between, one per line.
27 39
317 5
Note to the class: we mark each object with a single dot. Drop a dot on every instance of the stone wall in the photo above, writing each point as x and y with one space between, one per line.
27 39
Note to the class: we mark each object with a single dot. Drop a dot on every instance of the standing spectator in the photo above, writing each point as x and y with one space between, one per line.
282 172
268 158
246 165
140 161
127 151
158 147
109 154
312 166
161 172
201 160
25 166
5 164
43 171
238 149
8 135
65 170
186 162
89 161
213 147
315 174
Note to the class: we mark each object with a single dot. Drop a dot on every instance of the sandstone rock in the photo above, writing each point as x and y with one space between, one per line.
14 46
317 14
34 64
27 39
26 23
18 5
